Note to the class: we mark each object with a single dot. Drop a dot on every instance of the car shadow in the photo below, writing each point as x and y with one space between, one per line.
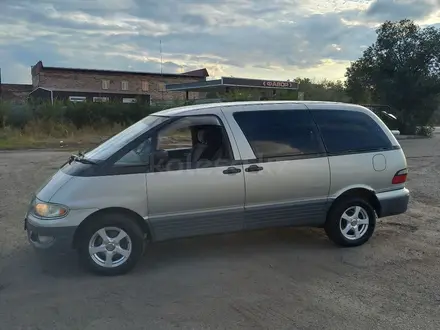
234 246
27 262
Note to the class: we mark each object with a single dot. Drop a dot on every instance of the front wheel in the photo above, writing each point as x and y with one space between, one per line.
111 244
351 222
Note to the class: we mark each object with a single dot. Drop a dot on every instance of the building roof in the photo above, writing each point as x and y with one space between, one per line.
233 82
89 91
201 73
197 73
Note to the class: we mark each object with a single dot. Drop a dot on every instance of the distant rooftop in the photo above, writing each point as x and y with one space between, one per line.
200 73
225 82
82 90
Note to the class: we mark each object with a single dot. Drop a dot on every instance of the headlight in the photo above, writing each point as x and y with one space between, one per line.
49 210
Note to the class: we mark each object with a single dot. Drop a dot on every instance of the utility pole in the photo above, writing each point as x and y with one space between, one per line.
161 66
161 60
1 94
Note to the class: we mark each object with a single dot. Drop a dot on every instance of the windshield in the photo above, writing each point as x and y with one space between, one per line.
109 147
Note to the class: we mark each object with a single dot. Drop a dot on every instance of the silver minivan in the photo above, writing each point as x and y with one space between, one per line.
218 168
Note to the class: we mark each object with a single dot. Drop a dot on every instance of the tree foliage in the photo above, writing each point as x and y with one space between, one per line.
82 114
401 69
324 90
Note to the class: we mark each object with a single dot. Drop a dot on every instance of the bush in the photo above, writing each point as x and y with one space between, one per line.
425 131
16 116
62 116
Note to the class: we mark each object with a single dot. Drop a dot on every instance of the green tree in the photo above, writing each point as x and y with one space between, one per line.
324 90
402 70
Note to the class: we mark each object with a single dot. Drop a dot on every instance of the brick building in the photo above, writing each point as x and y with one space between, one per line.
103 85
17 93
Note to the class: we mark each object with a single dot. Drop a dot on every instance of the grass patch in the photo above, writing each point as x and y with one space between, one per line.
48 135
44 135
79 126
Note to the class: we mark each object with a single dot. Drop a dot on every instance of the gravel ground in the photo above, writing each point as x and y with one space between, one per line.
272 279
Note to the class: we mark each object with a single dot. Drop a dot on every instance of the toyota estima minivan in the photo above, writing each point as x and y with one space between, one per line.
218 168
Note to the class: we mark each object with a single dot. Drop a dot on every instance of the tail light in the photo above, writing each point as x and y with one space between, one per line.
400 176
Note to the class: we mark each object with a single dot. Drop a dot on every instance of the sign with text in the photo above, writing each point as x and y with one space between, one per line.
275 84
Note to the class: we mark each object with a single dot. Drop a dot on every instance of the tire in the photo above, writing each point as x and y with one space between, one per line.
336 226
99 242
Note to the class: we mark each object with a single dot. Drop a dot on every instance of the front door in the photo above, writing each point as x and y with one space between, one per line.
198 190
287 171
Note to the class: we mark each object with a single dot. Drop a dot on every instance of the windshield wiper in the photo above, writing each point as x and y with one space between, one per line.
80 158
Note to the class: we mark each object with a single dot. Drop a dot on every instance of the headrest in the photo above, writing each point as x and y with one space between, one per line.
210 134
201 135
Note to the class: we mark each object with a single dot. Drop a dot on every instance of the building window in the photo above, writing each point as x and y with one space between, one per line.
105 84
129 100
124 85
77 98
100 99
145 86
161 87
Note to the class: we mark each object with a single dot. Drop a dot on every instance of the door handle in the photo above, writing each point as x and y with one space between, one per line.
254 168
231 170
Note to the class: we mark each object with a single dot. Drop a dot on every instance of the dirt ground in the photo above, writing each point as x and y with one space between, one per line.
272 279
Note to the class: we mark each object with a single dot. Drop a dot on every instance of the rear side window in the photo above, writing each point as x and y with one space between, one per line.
350 131
280 133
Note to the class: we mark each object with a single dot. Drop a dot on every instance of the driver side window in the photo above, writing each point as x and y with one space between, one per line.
187 143
174 138
176 142
193 142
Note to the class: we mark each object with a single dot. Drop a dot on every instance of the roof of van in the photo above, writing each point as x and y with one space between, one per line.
190 109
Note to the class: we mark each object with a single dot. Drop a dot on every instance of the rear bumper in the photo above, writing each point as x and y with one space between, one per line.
393 202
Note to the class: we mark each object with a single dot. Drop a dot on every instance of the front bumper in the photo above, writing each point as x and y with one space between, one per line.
393 202
53 238
55 234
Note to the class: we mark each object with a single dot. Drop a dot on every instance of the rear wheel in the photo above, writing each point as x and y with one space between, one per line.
350 222
111 244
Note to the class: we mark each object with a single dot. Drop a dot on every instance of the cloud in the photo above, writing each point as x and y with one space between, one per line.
13 71
394 10
277 39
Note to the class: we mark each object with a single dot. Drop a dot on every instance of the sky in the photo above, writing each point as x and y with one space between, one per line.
267 39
